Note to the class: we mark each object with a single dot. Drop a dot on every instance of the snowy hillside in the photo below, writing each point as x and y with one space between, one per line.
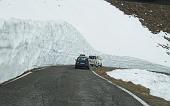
105 27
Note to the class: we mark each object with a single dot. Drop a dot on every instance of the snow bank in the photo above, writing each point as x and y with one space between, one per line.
28 44
132 63
157 83
105 27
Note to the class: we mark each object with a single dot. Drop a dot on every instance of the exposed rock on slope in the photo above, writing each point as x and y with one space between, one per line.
154 16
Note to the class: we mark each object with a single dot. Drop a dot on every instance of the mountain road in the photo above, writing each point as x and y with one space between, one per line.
63 86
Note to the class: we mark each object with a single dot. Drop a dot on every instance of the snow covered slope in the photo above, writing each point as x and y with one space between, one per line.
105 27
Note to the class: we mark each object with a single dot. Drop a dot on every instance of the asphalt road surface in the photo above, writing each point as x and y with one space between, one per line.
63 86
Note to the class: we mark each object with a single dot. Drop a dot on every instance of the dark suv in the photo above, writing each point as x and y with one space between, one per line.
82 62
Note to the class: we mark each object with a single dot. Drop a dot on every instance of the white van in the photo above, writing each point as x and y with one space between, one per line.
95 61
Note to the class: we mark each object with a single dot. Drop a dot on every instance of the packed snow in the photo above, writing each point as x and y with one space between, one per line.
157 83
36 33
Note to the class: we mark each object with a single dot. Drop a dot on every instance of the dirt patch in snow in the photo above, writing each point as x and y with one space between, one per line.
138 90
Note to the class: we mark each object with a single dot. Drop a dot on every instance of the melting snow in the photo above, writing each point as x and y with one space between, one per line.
157 83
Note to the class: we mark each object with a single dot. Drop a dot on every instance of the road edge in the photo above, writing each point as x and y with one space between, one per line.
24 74
125 90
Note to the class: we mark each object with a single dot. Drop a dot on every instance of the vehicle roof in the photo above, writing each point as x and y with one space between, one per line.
82 57
94 56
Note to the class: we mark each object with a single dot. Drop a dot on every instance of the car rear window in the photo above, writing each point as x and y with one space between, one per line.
92 57
81 59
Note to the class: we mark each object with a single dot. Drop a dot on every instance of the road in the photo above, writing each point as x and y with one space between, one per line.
63 86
